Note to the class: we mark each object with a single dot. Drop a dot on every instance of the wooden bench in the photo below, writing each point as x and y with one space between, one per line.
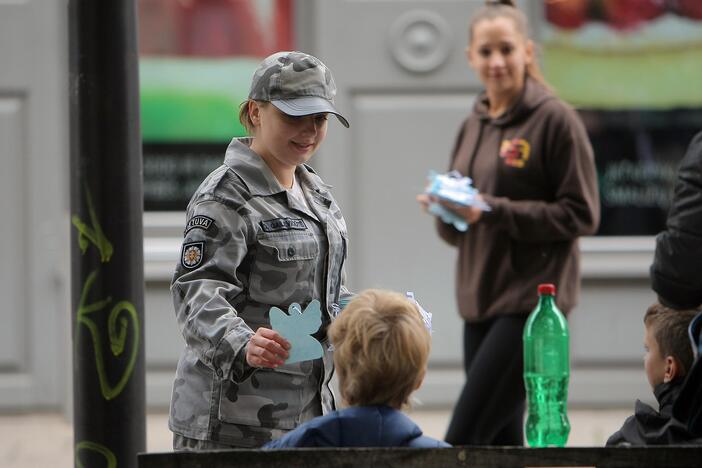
469 456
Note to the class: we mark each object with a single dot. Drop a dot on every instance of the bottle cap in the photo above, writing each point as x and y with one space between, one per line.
547 288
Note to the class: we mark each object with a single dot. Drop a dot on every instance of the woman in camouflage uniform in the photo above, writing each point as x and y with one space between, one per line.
262 230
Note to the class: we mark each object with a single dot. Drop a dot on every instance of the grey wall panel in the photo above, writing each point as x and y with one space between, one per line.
363 42
163 340
607 326
34 350
400 138
14 332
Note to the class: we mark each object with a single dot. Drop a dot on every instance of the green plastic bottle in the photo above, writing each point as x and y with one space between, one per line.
546 372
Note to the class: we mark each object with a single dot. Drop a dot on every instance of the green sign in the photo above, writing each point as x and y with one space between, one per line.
193 99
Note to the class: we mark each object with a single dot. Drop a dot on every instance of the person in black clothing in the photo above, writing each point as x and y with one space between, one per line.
675 270
667 360
688 406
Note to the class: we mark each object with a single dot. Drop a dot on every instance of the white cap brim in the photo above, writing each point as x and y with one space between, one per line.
308 105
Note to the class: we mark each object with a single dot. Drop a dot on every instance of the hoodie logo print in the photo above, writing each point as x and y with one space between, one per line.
515 152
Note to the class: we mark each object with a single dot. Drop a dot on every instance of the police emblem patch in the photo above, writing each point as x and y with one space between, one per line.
191 254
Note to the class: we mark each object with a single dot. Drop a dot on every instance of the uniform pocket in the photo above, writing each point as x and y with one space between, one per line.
290 247
268 398
284 267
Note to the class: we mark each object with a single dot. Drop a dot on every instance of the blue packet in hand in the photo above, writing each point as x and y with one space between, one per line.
455 188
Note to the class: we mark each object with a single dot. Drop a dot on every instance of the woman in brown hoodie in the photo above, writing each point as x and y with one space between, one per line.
530 157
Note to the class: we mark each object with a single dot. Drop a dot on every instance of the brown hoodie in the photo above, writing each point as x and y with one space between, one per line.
535 168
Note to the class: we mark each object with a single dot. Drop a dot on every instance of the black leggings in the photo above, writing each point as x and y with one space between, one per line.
490 409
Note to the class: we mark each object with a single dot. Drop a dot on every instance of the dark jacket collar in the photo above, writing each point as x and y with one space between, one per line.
650 427
666 394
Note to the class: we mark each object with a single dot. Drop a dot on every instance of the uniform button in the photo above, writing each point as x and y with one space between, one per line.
291 251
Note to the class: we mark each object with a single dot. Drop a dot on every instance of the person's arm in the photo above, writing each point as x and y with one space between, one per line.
675 273
619 439
204 287
570 169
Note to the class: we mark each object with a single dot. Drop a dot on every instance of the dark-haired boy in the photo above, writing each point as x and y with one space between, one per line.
667 360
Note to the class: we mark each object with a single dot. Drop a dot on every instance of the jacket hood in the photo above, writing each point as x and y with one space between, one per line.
533 95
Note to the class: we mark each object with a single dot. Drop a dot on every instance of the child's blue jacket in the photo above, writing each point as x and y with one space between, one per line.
358 426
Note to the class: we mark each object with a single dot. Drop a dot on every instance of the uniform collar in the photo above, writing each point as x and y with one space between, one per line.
259 178
251 168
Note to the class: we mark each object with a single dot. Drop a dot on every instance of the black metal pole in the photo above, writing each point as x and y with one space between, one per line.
107 235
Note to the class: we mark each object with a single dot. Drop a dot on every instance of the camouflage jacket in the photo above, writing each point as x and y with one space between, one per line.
249 245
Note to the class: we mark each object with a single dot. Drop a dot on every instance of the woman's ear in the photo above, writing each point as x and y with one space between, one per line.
672 369
254 113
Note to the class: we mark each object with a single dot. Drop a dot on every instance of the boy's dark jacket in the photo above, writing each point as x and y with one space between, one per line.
650 427
358 426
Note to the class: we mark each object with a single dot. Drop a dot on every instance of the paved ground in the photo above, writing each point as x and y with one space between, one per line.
46 440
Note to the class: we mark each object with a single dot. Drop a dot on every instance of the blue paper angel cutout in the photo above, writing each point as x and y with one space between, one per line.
296 326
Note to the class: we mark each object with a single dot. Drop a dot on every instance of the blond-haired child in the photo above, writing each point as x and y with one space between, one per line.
381 348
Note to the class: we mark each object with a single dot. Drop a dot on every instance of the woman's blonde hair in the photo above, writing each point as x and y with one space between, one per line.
507 9
381 348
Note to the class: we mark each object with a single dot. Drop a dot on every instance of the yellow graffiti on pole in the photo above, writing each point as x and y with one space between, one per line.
93 233
120 314
110 457
117 333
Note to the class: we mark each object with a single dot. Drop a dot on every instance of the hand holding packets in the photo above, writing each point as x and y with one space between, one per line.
447 194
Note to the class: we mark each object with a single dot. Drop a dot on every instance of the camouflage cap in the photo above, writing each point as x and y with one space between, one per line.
296 83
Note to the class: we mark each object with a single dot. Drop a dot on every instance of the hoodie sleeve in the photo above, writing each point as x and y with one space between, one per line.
570 169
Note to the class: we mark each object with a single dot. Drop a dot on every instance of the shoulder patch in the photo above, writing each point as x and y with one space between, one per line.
283 224
191 254
198 222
